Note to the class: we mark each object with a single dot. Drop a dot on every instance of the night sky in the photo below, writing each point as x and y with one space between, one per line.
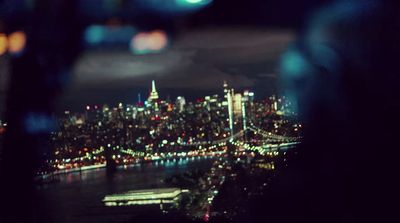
237 41
196 63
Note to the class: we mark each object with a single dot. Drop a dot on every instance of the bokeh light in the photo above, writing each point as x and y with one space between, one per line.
36 123
294 64
151 42
158 40
16 42
112 34
3 43
174 7
193 2
94 34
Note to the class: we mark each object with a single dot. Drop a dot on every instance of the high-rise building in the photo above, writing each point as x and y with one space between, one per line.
237 104
244 116
226 90
152 101
273 103
230 112
251 96
180 103
153 94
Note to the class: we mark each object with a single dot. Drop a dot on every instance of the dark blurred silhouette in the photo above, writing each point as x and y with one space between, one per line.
37 77
343 74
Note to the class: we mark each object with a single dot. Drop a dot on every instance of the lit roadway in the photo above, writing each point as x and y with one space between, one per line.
270 143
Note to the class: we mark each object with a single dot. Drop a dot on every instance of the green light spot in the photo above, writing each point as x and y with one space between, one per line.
194 1
94 34
294 64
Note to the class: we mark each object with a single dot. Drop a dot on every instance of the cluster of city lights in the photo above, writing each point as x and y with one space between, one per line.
204 149
271 135
145 197
161 131
269 149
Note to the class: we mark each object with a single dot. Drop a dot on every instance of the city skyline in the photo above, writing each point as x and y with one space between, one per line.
190 66
153 94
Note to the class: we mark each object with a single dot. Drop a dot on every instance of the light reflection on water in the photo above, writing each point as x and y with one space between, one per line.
67 200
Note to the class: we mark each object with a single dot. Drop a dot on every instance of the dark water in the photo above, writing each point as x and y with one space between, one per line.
78 194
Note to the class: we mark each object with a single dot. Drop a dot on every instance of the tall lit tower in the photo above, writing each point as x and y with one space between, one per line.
225 101
153 94
244 119
180 103
230 112
237 103
225 89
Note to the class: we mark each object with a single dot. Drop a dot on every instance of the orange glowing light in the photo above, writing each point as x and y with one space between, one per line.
170 108
158 40
16 42
149 42
3 43
140 41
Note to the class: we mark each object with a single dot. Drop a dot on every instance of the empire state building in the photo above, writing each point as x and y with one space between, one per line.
153 94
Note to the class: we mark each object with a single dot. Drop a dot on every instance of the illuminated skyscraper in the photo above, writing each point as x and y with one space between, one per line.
274 103
237 104
153 94
251 96
180 103
226 90
244 117
230 112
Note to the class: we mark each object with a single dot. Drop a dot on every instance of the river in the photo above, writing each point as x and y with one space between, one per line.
71 199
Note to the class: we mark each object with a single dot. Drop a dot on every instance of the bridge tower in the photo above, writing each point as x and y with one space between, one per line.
111 166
